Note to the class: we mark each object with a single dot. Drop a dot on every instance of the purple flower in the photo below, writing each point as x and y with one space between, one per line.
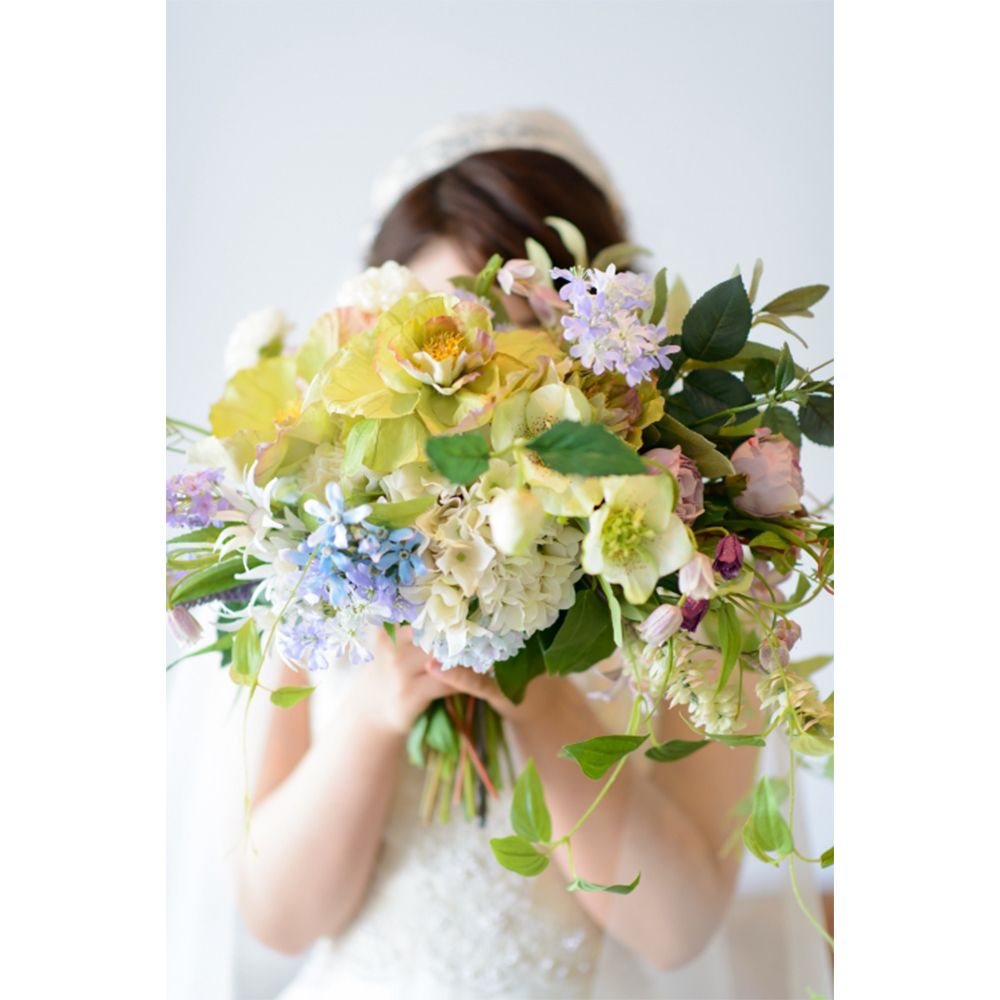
728 557
692 612
193 501
605 323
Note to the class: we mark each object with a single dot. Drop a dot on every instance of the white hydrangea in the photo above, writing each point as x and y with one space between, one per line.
478 605
378 288
320 468
692 685
261 330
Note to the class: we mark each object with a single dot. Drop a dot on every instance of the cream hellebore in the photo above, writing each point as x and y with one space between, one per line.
774 477
524 416
516 517
634 539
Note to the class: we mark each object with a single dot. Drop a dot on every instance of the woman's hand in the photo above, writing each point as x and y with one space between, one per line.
461 680
398 684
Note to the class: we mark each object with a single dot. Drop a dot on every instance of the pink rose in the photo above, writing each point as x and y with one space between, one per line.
691 488
774 478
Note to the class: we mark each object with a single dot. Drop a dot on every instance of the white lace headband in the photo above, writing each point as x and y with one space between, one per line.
444 146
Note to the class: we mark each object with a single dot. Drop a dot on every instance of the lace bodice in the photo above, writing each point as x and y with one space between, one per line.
442 919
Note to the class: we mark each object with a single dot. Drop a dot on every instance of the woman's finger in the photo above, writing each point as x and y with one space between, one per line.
467 681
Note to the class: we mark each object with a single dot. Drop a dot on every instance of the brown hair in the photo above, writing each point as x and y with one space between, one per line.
490 202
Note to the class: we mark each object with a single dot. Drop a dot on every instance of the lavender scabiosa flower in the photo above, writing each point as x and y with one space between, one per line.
692 612
605 324
193 499
728 557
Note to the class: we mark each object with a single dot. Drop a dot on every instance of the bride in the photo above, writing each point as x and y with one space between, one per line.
340 861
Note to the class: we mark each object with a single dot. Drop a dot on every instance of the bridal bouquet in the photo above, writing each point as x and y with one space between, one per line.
618 484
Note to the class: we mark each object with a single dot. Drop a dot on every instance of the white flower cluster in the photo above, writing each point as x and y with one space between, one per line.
254 333
693 685
783 691
378 288
478 605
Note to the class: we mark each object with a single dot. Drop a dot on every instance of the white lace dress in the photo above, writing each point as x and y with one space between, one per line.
443 921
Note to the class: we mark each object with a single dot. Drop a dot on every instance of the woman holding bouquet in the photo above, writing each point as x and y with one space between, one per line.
340 859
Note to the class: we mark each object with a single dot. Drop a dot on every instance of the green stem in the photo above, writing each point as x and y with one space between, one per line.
173 422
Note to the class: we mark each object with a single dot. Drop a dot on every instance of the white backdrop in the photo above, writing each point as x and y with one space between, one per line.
714 118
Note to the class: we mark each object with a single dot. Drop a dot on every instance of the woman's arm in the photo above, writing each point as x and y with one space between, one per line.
669 824
320 809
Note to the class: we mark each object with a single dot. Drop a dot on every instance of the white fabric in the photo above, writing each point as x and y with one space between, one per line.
442 920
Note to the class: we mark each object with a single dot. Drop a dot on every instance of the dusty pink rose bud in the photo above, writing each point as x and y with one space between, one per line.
786 634
691 488
728 557
774 478
661 624
696 578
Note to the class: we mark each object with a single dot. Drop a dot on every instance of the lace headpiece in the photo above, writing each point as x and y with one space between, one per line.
445 145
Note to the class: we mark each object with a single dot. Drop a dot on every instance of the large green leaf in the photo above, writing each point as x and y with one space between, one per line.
781 421
246 650
816 419
596 755
515 673
710 461
585 637
708 391
667 753
769 828
585 450
529 815
461 457
572 238
519 856
717 325
209 580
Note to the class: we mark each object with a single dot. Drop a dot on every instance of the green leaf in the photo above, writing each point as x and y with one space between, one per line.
223 642
585 637
246 649
517 854
717 325
286 697
486 277
571 237
199 535
441 735
667 753
785 369
797 301
730 641
529 814
758 270
809 665
811 744
739 741
462 458
515 673
712 464
208 580
816 419
582 885
400 514
752 844
708 391
596 755
539 256
770 831
758 376
585 450
415 740
620 254
615 608
826 858
659 297
781 421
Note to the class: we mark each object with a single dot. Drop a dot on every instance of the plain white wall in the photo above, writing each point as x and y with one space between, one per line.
715 119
